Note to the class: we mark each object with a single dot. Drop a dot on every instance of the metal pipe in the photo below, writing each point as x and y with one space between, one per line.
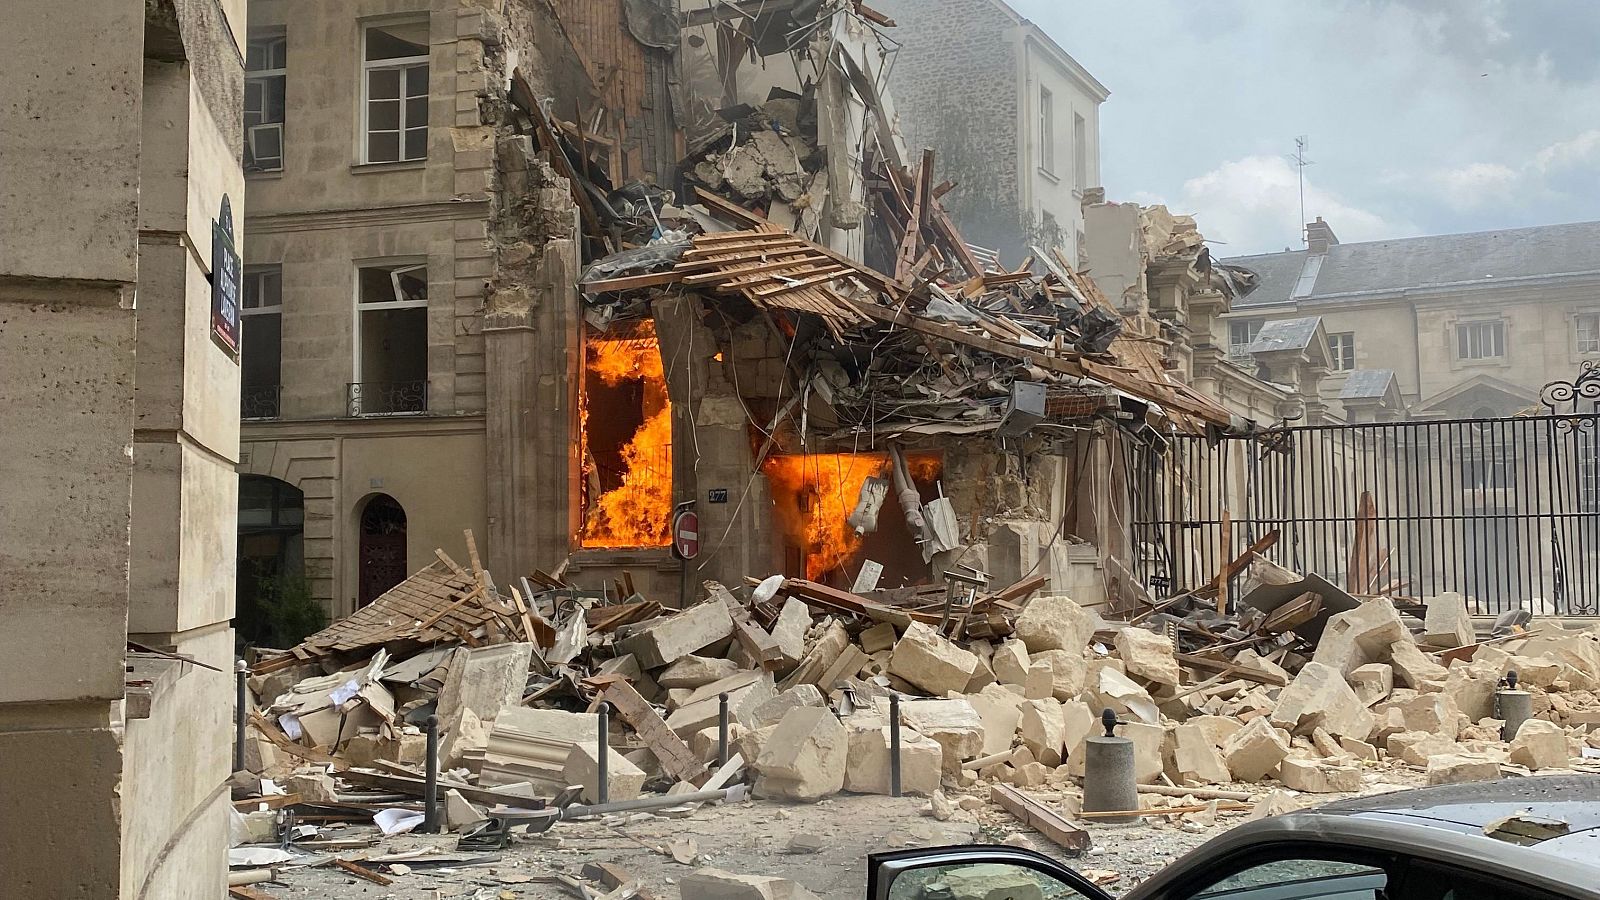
662 802
602 754
430 783
722 729
894 744
240 708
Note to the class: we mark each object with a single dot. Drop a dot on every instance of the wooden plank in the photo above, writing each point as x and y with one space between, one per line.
245 892
445 558
1040 818
674 755
361 871
919 193
632 282
739 213
1217 665
740 271
434 619
822 276
275 801
1226 551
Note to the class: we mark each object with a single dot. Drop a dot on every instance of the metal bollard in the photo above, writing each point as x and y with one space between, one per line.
722 729
240 707
894 745
1511 706
603 755
430 782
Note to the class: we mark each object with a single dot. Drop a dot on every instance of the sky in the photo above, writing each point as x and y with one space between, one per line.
1422 116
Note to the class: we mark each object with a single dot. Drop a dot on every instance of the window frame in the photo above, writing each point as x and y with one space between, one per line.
1577 332
264 77
1463 340
402 65
1047 131
1236 350
396 265
1080 153
253 273
1342 350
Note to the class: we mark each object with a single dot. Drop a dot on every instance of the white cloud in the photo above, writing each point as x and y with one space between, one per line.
1252 205
1563 154
1475 185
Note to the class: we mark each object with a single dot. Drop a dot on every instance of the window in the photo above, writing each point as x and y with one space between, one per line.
1302 879
261 347
1588 328
1342 349
1481 340
264 67
395 92
1080 153
391 340
1047 131
1241 334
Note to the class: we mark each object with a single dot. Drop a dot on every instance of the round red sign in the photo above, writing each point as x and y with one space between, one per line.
686 534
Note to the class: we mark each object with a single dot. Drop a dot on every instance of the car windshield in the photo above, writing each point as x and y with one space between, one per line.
1301 879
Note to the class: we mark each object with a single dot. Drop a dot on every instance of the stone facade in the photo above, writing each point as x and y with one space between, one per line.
969 81
123 532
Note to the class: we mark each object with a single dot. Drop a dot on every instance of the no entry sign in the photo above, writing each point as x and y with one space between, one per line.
686 534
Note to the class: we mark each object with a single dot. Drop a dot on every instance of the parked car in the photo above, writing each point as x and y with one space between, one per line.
1519 839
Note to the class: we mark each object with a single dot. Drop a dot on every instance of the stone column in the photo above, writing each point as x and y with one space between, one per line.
712 453
533 356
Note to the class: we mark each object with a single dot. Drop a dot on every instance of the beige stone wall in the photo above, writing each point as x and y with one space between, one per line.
433 467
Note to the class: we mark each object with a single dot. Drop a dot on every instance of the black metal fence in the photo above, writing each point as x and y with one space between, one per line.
1505 511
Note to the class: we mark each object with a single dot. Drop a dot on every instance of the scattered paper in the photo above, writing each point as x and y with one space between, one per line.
257 856
290 723
396 821
345 692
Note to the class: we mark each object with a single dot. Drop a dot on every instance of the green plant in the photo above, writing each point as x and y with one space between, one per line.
276 609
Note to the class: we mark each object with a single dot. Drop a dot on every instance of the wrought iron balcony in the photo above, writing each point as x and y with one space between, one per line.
260 401
387 398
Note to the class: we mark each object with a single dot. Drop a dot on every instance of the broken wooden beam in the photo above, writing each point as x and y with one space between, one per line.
1040 818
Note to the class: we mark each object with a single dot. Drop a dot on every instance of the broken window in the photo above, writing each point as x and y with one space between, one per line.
1241 334
1342 350
1080 153
1047 131
261 343
391 340
1481 340
265 67
1588 328
395 84
815 498
626 441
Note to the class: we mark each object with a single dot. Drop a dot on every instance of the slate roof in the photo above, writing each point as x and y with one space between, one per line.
1426 261
1285 334
1366 384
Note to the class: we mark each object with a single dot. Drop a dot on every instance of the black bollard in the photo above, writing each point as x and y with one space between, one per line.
241 672
603 755
894 745
430 780
722 729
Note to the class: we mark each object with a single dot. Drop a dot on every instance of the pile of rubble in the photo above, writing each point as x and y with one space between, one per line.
1001 690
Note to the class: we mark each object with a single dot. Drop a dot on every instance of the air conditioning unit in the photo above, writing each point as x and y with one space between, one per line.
265 144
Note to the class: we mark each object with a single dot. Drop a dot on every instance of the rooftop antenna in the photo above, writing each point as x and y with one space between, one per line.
1299 158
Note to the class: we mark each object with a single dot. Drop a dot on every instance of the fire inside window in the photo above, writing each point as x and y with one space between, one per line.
813 496
627 442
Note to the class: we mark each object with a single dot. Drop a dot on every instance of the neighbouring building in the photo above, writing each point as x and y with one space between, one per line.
1013 118
119 430
1443 326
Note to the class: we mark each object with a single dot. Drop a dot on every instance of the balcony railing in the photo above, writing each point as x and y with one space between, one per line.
387 398
262 401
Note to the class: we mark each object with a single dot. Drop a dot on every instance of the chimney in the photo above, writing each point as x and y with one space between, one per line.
1320 236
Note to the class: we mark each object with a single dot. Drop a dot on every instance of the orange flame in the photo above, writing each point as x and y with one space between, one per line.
638 511
816 493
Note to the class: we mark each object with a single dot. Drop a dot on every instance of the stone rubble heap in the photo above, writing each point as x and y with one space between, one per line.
808 682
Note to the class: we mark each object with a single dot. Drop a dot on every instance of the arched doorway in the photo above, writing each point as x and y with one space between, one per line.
382 554
274 605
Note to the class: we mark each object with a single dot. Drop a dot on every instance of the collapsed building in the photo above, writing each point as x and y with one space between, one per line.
620 143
